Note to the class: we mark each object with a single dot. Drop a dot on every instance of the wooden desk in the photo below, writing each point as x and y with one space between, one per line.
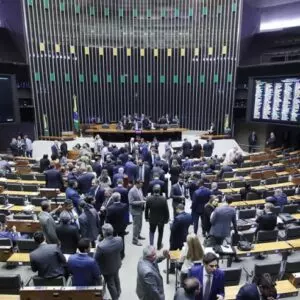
296 216
284 289
27 226
20 193
37 182
294 243
272 247
174 256
19 208
19 258
246 178
236 204
255 168
255 202
9 297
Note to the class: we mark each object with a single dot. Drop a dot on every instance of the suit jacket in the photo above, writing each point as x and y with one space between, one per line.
252 140
174 172
69 236
266 222
186 149
221 220
197 151
85 182
156 182
177 194
136 203
115 215
48 227
44 164
97 168
131 170
99 197
182 295
89 223
74 196
54 179
200 198
208 209
48 261
208 149
55 150
179 230
84 269
108 255
248 292
64 148
157 211
217 285
150 284
279 201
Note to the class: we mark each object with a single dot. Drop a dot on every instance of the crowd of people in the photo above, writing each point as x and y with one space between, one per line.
108 187
21 146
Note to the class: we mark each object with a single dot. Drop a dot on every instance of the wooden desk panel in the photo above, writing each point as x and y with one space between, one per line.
20 208
20 193
19 257
24 225
37 182
296 216
294 243
272 247
9 297
284 289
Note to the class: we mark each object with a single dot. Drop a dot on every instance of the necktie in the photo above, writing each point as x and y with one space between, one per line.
141 173
206 291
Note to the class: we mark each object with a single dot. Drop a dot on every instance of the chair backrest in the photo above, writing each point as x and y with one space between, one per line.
273 269
222 185
276 210
271 180
58 281
2 218
268 193
248 236
23 217
236 197
247 213
40 177
264 236
290 208
292 267
207 185
241 173
232 276
238 184
10 284
293 232
30 188
16 200
228 174
37 201
26 245
255 182
289 192
282 179
14 187
27 176
252 196
11 176
5 242
3 200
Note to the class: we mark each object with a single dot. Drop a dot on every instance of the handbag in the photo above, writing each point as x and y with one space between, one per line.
244 245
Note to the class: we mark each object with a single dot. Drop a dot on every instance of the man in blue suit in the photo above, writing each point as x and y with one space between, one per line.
210 278
178 194
263 289
54 178
200 198
55 150
131 169
71 193
156 181
85 181
84 269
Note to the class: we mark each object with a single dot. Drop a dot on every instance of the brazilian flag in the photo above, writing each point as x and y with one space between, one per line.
75 114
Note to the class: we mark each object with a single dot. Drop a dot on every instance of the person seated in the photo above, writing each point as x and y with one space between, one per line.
191 288
279 198
162 120
246 190
11 234
175 120
225 168
269 167
263 287
120 126
212 128
191 253
267 220
47 259
146 124
215 190
84 269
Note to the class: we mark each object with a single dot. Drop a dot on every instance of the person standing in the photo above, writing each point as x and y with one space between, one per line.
191 288
210 277
47 259
47 223
54 178
271 141
72 193
197 148
178 194
186 148
157 213
268 220
200 198
150 284
44 163
84 269
208 210
28 145
136 204
108 257
252 141
208 148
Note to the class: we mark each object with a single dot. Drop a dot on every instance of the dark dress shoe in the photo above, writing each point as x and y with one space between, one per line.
141 238
137 243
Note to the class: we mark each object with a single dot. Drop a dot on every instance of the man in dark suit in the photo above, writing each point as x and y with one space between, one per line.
178 194
44 163
108 257
263 289
196 151
124 198
54 178
85 181
67 233
63 148
186 148
84 269
252 141
200 198
72 193
143 174
157 213
131 169
268 220
156 181
116 216
47 259
55 150
210 277
97 168
89 220
208 148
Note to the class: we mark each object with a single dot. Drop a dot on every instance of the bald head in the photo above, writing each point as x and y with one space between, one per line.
192 286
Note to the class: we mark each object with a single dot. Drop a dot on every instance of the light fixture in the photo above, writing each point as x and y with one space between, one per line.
279 24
